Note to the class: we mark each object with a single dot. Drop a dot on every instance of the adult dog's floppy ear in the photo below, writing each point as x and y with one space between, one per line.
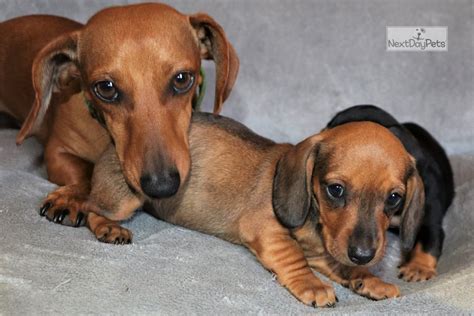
214 45
292 183
53 70
413 211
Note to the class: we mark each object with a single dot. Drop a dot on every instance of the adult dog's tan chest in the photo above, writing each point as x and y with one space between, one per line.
82 135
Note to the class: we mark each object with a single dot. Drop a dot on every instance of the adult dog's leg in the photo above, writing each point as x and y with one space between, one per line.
108 231
68 204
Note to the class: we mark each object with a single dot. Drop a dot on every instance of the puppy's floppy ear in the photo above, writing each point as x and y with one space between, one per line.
214 45
53 70
292 183
413 210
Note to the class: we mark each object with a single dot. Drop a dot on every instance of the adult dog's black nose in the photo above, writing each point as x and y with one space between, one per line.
360 255
160 185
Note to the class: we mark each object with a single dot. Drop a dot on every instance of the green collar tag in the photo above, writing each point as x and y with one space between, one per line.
201 91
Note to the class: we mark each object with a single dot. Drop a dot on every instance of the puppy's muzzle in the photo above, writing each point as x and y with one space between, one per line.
162 184
361 255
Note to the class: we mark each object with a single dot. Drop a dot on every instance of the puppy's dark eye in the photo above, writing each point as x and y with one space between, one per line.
394 200
335 191
182 82
106 91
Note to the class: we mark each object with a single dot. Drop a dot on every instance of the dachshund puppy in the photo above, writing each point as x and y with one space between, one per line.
435 170
324 203
128 76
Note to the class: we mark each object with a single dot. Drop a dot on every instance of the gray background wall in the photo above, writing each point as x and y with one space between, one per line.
302 61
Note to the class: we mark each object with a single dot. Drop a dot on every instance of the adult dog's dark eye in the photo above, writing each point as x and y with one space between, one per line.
182 82
106 91
394 200
335 191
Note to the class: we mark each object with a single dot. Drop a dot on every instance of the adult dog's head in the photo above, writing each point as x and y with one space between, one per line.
138 66
355 177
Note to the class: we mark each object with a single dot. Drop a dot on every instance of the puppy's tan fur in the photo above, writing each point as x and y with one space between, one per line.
272 199
50 65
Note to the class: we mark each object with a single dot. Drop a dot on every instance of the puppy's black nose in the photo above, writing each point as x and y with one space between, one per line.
361 255
160 185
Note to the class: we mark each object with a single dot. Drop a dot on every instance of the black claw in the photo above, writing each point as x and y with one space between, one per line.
59 215
63 215
44 209
80 219
337 300
400 275
314 304
56 215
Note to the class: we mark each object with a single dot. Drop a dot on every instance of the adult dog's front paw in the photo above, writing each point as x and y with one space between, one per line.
313 292
108 231
67 205
113 233
374 288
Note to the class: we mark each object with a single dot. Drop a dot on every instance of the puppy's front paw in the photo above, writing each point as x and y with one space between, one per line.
415 271
374 288
313 292
67 205
420 267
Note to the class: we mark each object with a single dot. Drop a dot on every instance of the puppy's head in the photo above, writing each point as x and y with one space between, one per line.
355 177
138 66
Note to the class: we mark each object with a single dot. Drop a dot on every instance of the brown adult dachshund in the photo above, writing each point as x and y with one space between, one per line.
325 203
136 69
